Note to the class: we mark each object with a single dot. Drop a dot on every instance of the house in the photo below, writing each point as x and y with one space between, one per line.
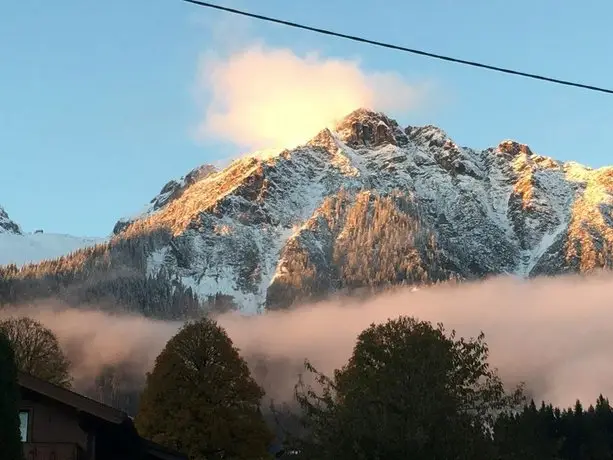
59 424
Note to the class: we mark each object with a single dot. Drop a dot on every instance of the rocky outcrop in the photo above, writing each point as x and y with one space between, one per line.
7 225
170 192
365 128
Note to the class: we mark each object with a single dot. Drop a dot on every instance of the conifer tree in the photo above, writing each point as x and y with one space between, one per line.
10 439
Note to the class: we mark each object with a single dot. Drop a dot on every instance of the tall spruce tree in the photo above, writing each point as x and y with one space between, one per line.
10 439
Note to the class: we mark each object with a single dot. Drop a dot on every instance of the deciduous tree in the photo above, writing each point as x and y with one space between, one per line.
201 399
37 350
409 390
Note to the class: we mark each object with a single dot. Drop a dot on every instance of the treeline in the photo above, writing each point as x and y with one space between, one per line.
548 433
105 275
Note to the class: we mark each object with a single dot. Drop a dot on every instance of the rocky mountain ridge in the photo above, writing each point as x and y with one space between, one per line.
368 205
7 225
276 226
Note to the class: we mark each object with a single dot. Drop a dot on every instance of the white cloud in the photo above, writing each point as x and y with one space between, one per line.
262 97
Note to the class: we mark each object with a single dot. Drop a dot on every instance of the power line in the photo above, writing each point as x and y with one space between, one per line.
399 48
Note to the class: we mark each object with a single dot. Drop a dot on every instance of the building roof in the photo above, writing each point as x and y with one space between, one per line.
70 398
94 408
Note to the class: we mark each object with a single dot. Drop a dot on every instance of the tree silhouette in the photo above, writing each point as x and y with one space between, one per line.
409 390
37 350
201 399
10 439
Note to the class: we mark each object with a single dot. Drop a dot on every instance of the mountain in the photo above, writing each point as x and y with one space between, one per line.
367 205
7 225
28 248
17 247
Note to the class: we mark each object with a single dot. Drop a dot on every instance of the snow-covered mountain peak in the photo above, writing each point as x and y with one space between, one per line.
513 148
428 135
275 220
367 128
7 225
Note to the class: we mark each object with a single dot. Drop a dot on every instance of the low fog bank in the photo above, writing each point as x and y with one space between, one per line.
556 334
95 339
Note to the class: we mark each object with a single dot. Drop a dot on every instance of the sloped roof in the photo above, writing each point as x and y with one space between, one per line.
94 408
70 398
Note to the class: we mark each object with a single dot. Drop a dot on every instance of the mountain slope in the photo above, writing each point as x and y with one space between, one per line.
7 225
369 205
21 248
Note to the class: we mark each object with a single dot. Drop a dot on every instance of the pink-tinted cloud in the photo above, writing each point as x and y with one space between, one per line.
271 98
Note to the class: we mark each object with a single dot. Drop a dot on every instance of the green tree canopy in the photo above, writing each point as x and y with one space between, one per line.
37 350
409 390
200 398
10 439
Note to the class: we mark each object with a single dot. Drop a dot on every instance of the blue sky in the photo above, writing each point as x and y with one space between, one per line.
98 108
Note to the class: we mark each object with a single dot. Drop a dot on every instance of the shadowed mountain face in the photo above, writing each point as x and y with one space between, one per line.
366 206
7 225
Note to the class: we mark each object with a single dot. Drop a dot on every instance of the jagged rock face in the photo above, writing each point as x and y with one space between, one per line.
7 225
170 192
329 252
369 204
365 128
